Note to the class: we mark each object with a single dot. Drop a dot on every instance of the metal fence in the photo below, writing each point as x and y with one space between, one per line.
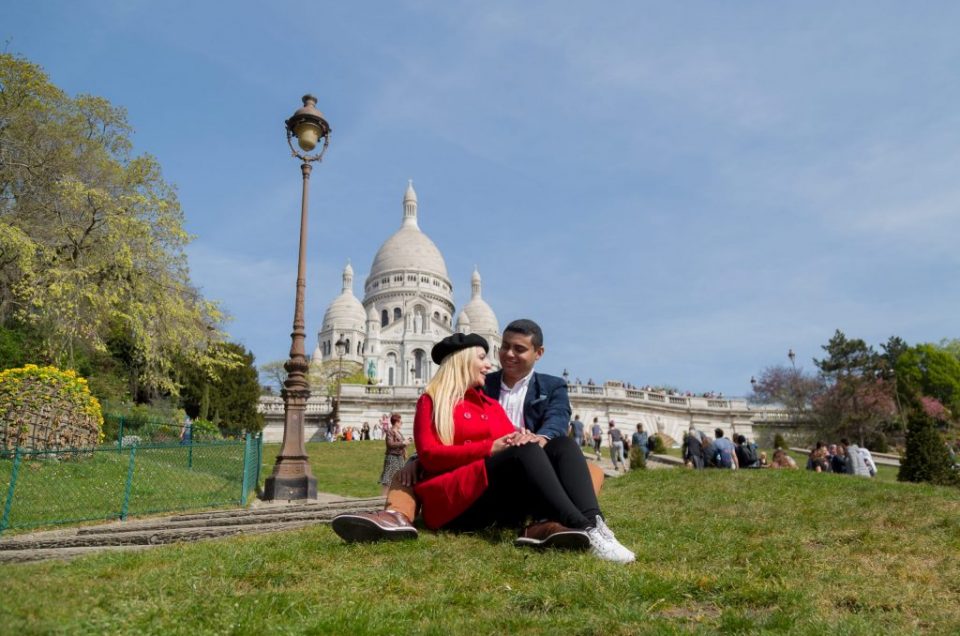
125 478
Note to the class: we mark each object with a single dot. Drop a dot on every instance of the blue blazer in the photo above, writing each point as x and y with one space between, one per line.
546 409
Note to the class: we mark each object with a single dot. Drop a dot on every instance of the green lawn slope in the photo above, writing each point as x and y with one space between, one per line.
717 552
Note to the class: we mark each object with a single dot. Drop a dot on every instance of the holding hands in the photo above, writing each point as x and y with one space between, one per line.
516 439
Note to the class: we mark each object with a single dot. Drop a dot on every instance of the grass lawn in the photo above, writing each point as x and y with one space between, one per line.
717 552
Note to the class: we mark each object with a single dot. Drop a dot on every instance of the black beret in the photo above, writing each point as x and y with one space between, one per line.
456 342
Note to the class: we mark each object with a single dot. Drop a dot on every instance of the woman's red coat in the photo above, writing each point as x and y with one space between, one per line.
456 475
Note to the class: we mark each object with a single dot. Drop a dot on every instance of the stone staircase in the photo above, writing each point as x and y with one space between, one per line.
144 533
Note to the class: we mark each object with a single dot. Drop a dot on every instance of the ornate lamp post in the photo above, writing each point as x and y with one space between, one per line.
292 477
341 346
566 377
793 358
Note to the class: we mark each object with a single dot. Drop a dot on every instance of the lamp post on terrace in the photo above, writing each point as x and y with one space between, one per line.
793 358
341 346
292 477
566 377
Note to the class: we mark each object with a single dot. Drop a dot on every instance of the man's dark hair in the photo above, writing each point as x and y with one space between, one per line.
844 441
527 327
639 427
741 439
718 432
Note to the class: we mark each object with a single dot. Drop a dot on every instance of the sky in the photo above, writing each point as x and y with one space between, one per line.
678 192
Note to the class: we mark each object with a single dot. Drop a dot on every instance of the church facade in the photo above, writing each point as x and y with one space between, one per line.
407 307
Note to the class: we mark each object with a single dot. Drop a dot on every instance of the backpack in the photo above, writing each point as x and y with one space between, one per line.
750 455
651 443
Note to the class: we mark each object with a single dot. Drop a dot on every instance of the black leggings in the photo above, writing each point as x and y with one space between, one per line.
551 483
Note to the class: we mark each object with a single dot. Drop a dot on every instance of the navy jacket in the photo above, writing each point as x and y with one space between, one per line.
546 409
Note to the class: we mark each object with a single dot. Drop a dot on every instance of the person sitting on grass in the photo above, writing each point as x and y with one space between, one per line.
479 471
782 460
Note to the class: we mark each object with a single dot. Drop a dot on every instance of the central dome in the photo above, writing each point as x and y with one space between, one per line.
408 249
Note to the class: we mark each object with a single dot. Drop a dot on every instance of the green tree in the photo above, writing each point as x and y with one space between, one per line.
929 370
91 237
927 458
226 393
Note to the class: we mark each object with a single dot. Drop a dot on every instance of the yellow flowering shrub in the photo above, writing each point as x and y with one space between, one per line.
46 408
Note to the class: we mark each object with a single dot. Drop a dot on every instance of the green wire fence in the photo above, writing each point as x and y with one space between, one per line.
126 477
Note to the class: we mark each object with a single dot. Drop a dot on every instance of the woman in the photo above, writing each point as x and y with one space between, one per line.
479 471
396 452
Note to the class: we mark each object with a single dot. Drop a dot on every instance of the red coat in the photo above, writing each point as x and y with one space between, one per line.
456 475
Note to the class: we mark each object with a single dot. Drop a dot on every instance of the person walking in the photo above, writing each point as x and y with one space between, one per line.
395 454
597 433
616 446
577 427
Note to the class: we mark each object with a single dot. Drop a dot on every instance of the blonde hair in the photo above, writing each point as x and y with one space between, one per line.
447 389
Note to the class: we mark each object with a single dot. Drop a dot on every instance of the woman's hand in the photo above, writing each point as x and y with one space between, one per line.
502 443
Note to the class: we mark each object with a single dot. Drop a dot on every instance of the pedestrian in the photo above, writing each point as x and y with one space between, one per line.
616 446
395 453
577 427
597 434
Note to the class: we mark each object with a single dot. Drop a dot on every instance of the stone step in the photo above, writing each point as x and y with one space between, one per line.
26 556
266 510
321 515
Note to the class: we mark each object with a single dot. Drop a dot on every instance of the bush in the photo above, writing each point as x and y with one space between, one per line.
44 408
205 431
779 441
659 446
927 458
638 460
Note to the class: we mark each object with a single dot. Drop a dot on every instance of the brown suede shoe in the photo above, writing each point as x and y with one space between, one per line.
383 525
550 534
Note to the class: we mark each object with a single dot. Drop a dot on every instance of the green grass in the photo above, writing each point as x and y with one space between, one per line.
345 468
717 552
91 486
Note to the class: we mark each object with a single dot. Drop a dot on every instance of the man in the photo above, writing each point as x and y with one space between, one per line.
534 402
597 434
859 460
577 427
692 449
726 451
639 440
746 453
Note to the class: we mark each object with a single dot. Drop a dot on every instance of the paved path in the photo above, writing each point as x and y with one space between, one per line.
143 533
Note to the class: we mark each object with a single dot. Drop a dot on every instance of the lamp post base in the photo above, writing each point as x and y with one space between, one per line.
280 488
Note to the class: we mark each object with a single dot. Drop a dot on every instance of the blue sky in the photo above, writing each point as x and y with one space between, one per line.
679 192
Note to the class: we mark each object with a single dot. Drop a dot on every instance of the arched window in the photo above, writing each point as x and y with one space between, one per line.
347 348
384 318
397 315
418 359
436 316
391 368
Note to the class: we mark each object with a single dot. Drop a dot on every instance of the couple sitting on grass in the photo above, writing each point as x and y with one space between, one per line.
484 462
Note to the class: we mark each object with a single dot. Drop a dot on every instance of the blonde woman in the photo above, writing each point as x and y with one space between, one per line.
479 471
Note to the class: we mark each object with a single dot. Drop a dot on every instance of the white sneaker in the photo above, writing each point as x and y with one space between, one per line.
605 545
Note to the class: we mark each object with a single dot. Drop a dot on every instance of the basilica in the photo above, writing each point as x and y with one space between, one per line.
407 307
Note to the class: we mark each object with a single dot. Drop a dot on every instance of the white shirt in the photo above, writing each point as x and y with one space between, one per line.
511 399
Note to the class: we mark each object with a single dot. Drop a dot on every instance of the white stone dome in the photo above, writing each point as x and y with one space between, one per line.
481 318
409 248
346 311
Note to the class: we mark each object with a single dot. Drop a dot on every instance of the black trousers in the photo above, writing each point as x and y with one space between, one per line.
550 483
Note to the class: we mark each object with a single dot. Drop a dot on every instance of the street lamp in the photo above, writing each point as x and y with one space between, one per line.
292 477
753 382
793 358
341 346
566 377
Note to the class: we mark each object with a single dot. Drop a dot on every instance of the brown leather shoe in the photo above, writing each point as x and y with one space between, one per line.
550 534
383 525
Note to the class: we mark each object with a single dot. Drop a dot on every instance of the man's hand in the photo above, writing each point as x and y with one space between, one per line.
407 476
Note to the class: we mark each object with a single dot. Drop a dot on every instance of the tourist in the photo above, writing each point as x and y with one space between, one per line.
708 451
546 411
395 454
577 427
838 460
763 460
616 446
725 451
692 449
817 461
859 460
746 453
365 432
782 460
597 434
640 440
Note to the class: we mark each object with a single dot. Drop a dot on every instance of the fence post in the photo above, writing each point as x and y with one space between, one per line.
129 486
245 485
5 521
259 456
190 454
